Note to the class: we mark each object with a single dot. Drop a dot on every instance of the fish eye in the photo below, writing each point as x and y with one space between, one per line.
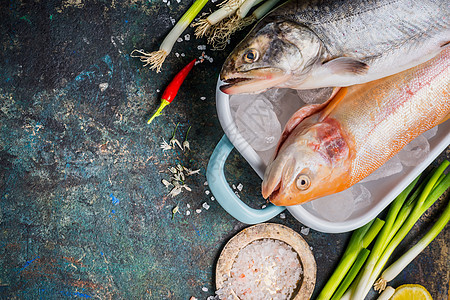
303 182
251 56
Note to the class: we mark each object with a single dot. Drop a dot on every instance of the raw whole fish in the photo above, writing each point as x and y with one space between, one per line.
307 44
327 148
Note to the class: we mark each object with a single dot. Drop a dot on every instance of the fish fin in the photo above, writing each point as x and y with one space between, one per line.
446 118
333 103
346 65
299 116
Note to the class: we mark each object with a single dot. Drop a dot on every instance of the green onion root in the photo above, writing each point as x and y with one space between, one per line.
156 59
381 241
221 32
428 196
203 26
392 271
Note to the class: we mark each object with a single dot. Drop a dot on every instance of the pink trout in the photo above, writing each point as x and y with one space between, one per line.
327 148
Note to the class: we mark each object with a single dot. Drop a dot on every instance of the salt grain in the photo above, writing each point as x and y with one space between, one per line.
201 47
179 40
177 54
233 186
183 55
187 37
202 98
205 289
264 206
188 213
205 183
212 198
205 206
188 205
240 186
198 211
304 230
283 216
207 192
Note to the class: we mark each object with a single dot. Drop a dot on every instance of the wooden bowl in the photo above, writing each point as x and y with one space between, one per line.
279 232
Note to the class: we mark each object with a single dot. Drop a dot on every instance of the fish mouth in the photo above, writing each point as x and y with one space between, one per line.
254 81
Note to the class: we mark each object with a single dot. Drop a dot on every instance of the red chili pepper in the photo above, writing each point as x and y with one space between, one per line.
172 89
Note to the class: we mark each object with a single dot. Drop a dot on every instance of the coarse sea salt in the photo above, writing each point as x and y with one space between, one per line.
264 269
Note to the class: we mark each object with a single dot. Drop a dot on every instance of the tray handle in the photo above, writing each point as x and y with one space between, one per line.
225 195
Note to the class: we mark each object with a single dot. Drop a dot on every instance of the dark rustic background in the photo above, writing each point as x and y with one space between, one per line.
83 213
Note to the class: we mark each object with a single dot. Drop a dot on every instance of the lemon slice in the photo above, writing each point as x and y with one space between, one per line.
411 291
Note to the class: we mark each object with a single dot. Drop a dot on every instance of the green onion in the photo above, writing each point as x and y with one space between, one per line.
361 238
156 59
362 256
382 239
430 193
391 272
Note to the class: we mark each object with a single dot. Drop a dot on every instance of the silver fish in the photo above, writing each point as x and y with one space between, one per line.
307 44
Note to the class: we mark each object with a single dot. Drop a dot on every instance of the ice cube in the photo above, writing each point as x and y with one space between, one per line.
415 152
335 208
237 100
430 133
258 123
287 106
275 95
391 167
315 96
362 196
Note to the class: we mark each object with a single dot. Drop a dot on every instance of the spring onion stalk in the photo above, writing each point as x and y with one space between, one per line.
428 196
258 13
244 9
361 238
381 241
156 58
391 272
362 256
387 293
